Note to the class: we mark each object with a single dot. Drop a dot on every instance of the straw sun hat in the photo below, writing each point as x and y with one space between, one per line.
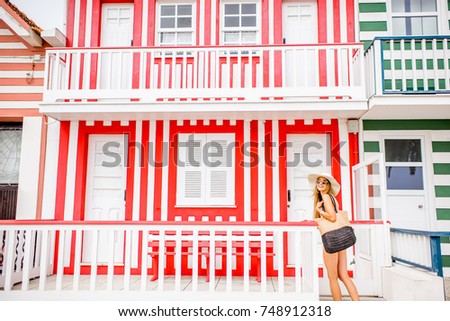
335 187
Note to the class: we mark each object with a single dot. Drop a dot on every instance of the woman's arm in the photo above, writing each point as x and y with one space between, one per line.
329 213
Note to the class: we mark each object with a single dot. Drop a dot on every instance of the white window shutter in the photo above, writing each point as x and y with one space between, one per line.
206 180
220 183
190 173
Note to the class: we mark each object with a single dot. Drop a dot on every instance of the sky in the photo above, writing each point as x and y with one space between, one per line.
47 14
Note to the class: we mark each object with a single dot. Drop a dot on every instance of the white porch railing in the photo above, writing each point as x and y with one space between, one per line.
250 73
70 268
62 253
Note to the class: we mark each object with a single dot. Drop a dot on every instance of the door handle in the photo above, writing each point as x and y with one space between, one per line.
124 195
420 206
289 195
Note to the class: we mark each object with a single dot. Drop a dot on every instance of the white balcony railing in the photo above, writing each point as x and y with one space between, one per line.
211 73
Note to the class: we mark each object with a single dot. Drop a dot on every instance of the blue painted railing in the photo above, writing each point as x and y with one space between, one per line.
435 249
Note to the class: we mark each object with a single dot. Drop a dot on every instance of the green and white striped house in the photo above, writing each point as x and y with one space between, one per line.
375 17
408 119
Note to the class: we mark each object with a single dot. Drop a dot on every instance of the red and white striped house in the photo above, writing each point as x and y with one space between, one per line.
179 139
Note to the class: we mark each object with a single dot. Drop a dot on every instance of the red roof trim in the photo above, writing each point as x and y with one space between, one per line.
24 17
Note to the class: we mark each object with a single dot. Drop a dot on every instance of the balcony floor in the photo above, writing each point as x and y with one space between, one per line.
169 285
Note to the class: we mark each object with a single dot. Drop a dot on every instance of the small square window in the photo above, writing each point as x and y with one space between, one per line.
167 10
404 178
184 10
232 9
167 22
240 23
403 150
175 25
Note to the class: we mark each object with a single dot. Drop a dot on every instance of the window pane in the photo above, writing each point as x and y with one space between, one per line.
184 10
231 9
248 8
413 6
398 5
403 150
231 21
248 22
184 38
184 22
429 25
231 37
399 26
10 146
404 178
167 22
248 37
167 38
416 26
167 10
429 5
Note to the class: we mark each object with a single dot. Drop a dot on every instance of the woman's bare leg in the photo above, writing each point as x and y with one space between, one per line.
331 264
344 277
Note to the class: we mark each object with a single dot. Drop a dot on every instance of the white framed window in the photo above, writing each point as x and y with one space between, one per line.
240 23
175 24
404 164
206 170
415 17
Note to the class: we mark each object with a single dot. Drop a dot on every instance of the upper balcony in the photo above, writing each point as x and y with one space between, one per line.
178 82
404 73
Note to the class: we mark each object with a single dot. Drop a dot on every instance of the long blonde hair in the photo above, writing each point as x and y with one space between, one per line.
318 198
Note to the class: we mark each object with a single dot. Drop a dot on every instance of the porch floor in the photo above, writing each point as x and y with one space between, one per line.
169 285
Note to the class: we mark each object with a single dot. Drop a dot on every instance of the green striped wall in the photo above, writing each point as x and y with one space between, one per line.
445 261
431 124
372 20
373 17
440 147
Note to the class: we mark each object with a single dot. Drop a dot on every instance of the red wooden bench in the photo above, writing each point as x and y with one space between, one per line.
254 244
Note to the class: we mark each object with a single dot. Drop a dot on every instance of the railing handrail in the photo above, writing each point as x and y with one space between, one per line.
421 232
228 47
173 223
434 248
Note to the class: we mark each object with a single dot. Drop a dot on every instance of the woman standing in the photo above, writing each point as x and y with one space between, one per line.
325 205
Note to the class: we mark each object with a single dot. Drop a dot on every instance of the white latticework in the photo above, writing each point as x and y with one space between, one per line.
10 145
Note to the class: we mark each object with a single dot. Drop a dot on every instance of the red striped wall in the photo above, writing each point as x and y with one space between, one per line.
298 127
267 13
26 73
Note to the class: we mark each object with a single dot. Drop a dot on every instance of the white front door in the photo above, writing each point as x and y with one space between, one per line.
117 31
406 183
105 194
300 22
306 154
300 27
